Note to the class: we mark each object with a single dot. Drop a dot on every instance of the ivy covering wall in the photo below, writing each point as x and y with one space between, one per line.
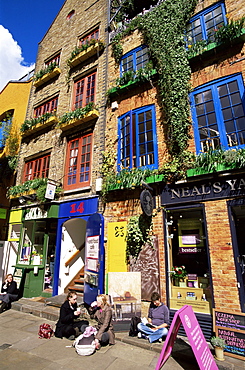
163 31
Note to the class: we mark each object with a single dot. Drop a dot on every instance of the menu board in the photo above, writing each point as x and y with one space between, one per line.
231 327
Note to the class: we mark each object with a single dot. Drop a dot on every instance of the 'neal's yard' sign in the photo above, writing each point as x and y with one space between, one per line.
230 326
200 191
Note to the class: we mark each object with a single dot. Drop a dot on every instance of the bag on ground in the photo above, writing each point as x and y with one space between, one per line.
133 330
45 331
85 344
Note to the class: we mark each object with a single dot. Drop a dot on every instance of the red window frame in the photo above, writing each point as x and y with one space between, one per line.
78 162
47 107
37 168
55 59
84 91
94 35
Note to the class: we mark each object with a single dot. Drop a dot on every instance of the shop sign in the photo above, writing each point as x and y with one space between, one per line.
78 207
50 190
201 191
187 318
230 326
146 201
35 213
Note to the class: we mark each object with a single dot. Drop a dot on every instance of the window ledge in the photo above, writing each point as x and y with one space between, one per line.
85 54
48 76
40 126
93 114
214 46
66 192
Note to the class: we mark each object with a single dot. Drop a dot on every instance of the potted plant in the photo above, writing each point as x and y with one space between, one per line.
179 274
219 345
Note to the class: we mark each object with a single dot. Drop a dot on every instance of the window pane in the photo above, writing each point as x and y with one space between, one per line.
224 101
233 87
227 113
240 123
238 111
229 126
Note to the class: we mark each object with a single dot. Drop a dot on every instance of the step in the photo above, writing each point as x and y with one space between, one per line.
77 288
78 281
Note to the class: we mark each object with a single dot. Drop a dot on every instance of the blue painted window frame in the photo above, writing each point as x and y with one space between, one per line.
134 59
133 137
201 17
229 114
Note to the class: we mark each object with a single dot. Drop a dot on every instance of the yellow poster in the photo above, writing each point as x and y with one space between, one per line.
116 253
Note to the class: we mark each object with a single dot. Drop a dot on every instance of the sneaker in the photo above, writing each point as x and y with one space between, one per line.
144 336
160 340
71 337
139 335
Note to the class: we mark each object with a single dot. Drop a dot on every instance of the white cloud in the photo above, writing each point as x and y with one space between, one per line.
11 60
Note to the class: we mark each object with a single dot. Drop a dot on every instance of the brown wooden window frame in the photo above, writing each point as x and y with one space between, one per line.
94 35
47 107
78 162
84 91
37 168
55 59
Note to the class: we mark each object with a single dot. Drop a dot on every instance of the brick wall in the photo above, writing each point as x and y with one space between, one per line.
63 36
221 255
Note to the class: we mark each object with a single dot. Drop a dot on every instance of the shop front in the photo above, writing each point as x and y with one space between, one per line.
36 252
204 227
80 247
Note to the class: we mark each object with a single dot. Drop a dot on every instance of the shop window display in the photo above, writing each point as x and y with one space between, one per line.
38 248
189 280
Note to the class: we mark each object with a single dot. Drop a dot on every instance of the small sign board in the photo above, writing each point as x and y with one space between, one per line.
187 318
230 326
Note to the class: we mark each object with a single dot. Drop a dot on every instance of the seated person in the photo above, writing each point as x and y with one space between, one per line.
66 326
158 316
9 292
101 311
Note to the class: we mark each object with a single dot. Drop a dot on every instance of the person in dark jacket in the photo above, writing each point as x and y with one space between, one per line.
69 312
101 311
9 292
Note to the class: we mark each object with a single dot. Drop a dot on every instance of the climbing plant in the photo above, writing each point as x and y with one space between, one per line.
163 31
139 232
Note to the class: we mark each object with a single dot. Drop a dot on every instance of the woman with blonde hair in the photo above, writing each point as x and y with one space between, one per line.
101 311
9 292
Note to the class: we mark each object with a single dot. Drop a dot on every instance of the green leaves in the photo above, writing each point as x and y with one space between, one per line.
44 71
139 232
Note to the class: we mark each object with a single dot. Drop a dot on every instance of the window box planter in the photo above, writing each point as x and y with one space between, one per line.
200 171
93 114
48 76
154 178
214 47
131 84
30 192
40 126
85 54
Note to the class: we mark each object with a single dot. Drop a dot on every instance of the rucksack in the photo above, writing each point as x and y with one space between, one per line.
133 330
45 331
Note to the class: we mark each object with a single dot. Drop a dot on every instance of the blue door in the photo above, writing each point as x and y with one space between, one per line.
94 271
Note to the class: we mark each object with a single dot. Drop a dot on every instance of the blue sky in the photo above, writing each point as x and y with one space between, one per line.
23 23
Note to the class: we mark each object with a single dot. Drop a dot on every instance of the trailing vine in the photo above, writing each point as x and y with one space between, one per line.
163 31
